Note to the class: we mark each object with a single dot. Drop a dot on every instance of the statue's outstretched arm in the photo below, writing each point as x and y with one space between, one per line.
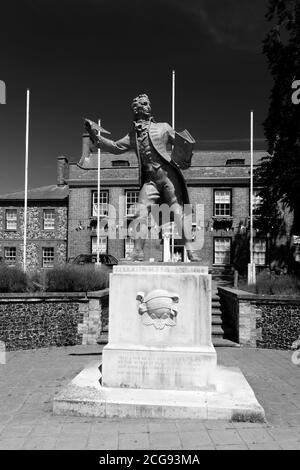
115 147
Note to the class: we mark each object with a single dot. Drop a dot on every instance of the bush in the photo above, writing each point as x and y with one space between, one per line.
12 280
72 278
270 284
36 281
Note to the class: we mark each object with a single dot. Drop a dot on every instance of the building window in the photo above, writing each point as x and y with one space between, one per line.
102 245
48 257
222 249
10 255
259 251
222 203
256 200
129 245
131 202
11 219
103 203
49 219
297 254
120 163
235 162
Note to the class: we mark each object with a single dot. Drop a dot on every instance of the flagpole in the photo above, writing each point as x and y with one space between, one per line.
251 190
172 240
26 178
98 198
173 99
251 266
173 125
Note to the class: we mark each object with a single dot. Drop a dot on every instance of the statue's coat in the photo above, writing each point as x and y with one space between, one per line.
161 134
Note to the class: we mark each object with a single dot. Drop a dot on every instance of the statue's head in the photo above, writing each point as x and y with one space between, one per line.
141 107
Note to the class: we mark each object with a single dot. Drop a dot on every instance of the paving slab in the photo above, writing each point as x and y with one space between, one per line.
12 443
225 436
133 425
130 441
103 441
265 446
255 435
190 425
164 440
232 447
43 373
39 443
193 439
289 445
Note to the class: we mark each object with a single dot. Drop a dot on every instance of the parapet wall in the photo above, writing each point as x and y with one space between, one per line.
29 321
264 321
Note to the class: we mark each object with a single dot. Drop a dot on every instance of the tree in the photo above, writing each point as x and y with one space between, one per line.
279 174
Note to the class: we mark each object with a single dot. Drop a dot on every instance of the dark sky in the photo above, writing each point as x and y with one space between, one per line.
90 58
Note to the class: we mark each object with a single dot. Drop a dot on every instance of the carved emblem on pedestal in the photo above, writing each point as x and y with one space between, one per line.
158 308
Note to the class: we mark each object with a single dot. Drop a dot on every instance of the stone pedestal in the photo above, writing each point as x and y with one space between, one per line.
159 328
160 361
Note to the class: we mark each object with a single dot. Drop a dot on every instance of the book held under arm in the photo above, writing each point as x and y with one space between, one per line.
183 149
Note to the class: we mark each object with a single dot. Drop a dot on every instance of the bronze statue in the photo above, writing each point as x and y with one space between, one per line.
160 176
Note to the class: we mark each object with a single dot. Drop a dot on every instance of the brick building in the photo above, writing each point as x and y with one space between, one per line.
46 227
218 180
63 218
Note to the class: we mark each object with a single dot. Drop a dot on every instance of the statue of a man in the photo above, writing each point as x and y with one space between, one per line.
160 176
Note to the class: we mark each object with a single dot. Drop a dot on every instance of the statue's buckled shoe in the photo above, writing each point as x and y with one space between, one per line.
137 255
193 257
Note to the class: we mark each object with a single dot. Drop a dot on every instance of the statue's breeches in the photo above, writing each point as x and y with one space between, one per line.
161 187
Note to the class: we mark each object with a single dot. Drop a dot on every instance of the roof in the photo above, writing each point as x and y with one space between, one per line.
107 159
220 157
49 193
200 158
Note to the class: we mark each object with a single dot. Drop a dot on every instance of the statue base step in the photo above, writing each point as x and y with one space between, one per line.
233 399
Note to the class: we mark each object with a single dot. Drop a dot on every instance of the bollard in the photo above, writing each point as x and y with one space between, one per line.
2 353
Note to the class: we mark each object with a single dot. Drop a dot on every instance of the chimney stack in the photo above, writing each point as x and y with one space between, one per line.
62 170
86 144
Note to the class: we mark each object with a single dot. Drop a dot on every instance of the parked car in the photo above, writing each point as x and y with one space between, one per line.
107 260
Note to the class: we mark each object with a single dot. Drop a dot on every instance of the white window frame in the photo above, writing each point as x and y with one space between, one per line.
11 219
297 254
102 245
48 254
222 257
103 203
10 259
222 202
256 200
131 199
48 222
260 251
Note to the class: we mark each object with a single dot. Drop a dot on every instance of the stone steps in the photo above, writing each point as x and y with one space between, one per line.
219 342
103 338
216 320
217 330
